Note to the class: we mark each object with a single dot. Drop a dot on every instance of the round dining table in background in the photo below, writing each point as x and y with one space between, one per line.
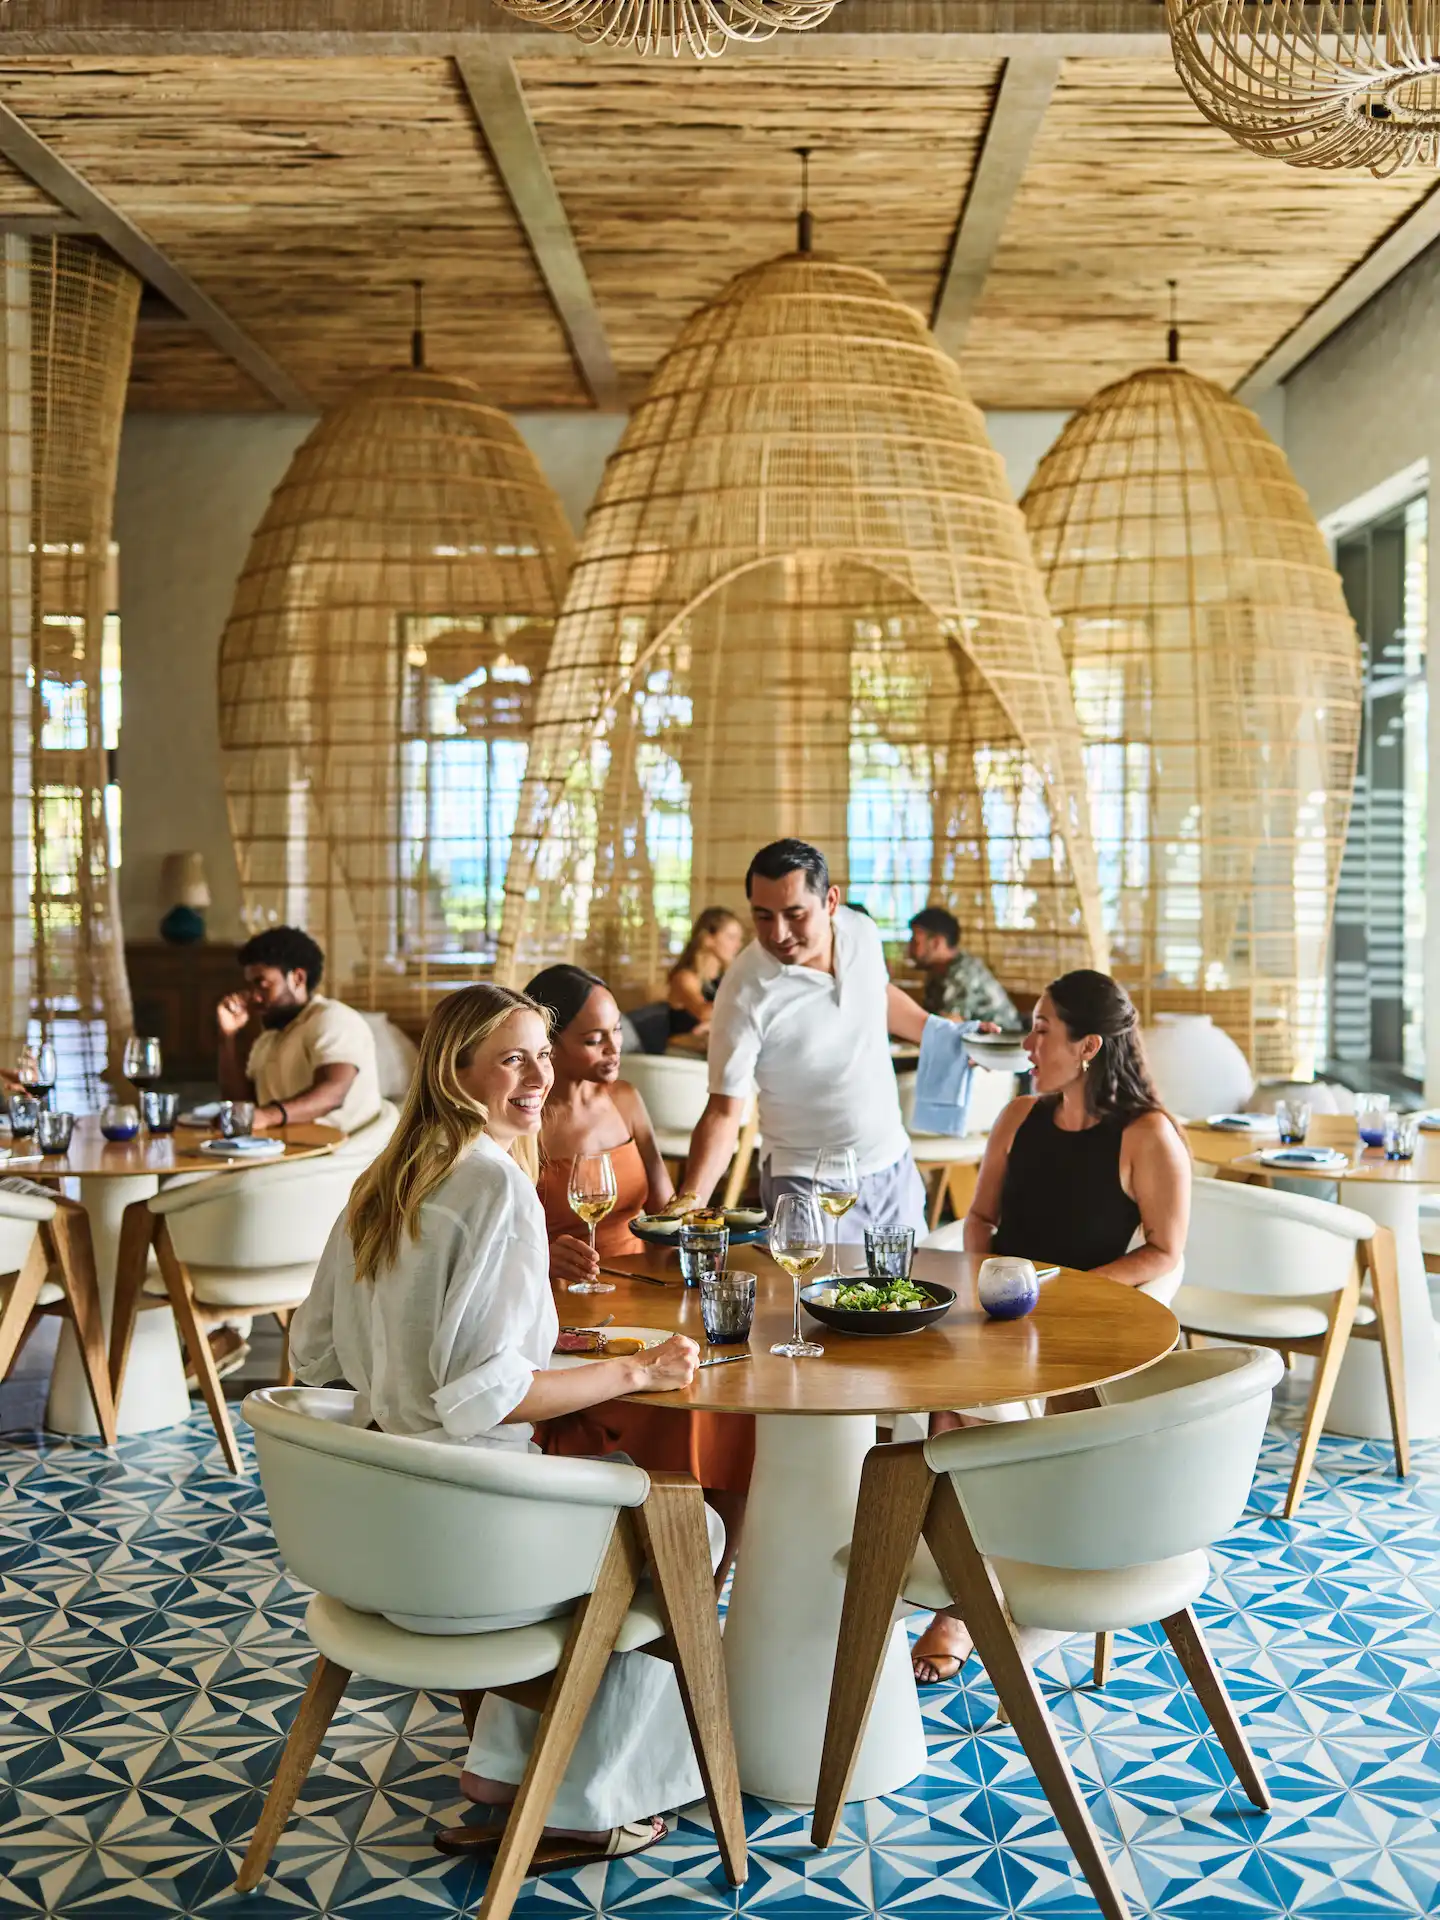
815 1423
112 1174
1389 1192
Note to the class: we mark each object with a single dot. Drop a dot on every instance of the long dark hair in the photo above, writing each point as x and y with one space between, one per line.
1118 1086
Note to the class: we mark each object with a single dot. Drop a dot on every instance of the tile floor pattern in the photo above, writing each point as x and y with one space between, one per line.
150 1662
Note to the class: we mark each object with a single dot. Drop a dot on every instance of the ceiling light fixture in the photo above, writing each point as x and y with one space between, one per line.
1316 83
701 27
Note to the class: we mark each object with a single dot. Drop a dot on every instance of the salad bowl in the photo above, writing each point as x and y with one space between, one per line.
873 1307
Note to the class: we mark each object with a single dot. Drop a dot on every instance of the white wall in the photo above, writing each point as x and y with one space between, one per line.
191 492
1357 413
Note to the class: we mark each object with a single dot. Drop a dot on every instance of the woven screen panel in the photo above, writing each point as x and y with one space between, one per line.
804 604
377 676
1216 672
83 305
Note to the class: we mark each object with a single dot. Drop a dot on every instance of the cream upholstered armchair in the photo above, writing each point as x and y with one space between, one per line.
1297 1275
458 1541
1082 1523
47 1265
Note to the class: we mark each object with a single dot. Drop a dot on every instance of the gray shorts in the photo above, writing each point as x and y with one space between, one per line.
893 1197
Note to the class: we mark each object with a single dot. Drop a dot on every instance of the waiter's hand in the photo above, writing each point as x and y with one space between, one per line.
679 1206
571 1259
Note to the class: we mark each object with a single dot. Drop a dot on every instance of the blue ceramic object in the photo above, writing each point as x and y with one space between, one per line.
1008 1288
183 926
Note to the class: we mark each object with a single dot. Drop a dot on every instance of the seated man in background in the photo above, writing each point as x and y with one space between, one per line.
314 1058
958 985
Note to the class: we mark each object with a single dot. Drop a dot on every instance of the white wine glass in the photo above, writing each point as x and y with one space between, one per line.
797 1241
592 1194
837 1188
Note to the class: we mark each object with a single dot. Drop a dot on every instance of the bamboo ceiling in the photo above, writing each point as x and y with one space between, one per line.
302 194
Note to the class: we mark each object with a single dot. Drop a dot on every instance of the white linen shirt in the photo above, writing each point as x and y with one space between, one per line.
817 1046
445 1342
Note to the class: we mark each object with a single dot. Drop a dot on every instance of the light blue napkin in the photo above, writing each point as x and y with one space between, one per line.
942 1076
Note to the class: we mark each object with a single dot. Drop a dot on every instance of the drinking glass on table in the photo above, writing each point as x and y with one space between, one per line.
837 1188
24 1108
36 1069
53 1131
237 1119
1292 1117
1402 1135
704 1248
141 1064
797 1240
1370 1112
727 1307
591 1195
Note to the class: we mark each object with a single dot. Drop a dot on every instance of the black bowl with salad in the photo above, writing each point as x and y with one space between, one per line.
877 1306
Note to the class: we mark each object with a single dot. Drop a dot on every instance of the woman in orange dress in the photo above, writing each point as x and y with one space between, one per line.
590 1109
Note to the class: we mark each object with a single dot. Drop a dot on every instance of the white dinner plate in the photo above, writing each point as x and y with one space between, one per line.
996 1055
1430 1121
246 1148
652 1336
1242 1122
1305 1159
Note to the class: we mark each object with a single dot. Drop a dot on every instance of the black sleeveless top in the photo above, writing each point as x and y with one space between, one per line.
1062 1202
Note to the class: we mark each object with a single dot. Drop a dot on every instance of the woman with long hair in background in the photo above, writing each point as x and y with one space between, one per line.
715 939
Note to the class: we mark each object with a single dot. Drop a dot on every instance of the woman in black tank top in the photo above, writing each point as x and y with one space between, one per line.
1069 1174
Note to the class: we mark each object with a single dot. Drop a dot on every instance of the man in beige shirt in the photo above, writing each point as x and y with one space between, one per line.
314 1058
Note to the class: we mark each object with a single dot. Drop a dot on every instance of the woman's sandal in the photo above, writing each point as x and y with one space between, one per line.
557 1856
939 1662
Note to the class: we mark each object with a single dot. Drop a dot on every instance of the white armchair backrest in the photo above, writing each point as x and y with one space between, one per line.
358 1149
1163 1468
440 1538
1253 1240
20 1215
673 1087
276 1216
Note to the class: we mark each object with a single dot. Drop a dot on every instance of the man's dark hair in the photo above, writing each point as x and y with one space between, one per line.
790 856
937 920
288 948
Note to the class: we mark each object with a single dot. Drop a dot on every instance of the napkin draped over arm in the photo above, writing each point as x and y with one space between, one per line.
942 1077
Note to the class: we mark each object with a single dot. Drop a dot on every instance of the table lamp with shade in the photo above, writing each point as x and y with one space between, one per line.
184 893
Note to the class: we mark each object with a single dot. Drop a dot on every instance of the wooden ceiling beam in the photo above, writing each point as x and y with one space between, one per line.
509 131
45 169
1405 242
1021 100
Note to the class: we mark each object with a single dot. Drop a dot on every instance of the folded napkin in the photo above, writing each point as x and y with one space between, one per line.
1304 1156
942 1076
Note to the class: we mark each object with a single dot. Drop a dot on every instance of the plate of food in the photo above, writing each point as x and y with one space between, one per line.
578 1345
875 1307
748 1226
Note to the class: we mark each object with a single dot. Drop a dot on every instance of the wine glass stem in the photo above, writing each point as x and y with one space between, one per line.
795 1335
590 1225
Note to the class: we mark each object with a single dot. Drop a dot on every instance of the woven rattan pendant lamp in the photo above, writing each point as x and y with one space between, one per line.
1317 83
803 604
1216 672
376 679
701 27
67 326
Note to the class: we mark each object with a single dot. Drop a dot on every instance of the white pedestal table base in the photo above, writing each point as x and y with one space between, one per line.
155 1393
784 1617
1359 1406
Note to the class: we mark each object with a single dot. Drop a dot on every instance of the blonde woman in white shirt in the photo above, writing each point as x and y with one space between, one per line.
432 1301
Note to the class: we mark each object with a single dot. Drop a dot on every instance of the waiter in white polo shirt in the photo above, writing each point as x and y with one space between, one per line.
805 1016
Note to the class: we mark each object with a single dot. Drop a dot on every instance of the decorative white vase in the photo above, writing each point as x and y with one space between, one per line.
1197 1068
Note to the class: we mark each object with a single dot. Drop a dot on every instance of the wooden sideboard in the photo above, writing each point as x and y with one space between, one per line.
175 991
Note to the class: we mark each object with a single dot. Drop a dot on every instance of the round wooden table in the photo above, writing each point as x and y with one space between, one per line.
1389 1191
815 1424
111 1175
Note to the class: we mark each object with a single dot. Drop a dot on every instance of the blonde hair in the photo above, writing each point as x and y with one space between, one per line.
712 920
439 1121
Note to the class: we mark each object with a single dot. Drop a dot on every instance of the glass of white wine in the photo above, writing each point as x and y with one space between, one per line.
797 1240
837 1188
591 1196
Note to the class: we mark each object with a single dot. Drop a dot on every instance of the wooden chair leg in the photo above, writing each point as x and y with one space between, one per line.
740 1164
1182 1630
137 1235
934 1178
1104 1656
577 1678
960 1184
177 1285
15 1320
1327 1372
68 1243
676 1542
962 1566
317 1709
1385 1290
286 1375
895 1490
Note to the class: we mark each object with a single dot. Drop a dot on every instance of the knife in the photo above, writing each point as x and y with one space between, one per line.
627 1273
722 1360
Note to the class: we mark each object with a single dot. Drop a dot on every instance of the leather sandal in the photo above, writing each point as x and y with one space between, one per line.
556 1856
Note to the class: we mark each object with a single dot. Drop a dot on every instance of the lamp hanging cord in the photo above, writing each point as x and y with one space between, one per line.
417 331
805 225
1172 351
